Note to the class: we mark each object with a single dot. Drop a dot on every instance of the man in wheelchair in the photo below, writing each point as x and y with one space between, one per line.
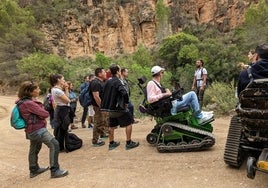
159 97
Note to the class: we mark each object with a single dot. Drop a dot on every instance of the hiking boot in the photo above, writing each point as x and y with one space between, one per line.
98 144
59 173
37 172
132 145
114 145
205 118
83 126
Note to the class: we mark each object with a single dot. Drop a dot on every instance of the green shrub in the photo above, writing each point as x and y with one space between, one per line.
220 97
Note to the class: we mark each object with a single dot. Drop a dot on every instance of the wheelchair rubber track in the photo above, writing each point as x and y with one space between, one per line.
206 143
232 152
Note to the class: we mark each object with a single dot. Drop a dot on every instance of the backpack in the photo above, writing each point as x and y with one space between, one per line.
16 120
208 80
73 142
85 97
48 103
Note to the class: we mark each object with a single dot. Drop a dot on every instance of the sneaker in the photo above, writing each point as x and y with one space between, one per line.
37 172
59 173
132 145
207 112
262 165
205 118
98 144
114 145
90 126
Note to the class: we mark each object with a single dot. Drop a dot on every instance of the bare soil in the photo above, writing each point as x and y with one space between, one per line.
140 167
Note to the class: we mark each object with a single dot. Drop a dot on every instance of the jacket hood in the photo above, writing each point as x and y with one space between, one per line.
260 69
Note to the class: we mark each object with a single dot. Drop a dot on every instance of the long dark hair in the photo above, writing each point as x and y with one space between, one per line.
53 79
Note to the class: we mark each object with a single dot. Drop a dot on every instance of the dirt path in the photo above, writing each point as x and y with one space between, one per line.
140 167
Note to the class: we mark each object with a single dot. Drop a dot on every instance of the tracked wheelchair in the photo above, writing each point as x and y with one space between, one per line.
175 133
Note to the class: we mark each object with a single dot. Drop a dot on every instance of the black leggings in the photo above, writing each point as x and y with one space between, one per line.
61 123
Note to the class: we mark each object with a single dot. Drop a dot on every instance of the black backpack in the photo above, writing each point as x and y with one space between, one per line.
73 142
47 103
208 80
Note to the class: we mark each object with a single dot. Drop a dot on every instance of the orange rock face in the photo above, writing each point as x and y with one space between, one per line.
116 27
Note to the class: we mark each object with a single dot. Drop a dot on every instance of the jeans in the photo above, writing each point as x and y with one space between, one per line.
189 98
36 139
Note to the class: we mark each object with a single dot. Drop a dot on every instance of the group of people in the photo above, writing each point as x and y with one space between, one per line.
111 105
105 106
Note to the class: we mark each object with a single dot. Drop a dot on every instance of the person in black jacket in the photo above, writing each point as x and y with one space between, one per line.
115 101
258 70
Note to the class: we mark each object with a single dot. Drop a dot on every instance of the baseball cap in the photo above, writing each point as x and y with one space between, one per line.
156 69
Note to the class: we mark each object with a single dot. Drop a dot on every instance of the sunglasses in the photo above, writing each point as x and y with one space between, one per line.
29 86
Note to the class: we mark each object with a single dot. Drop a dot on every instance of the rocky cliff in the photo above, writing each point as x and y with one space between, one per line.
119 26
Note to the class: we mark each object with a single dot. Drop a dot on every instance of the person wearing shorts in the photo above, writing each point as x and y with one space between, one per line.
115 102
124 119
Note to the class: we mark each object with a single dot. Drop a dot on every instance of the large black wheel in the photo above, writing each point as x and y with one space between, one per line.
233 154
251 167
151 138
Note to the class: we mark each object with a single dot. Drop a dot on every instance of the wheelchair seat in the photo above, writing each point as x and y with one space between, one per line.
161 108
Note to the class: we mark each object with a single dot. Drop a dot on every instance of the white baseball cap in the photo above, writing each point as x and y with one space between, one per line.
156 69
